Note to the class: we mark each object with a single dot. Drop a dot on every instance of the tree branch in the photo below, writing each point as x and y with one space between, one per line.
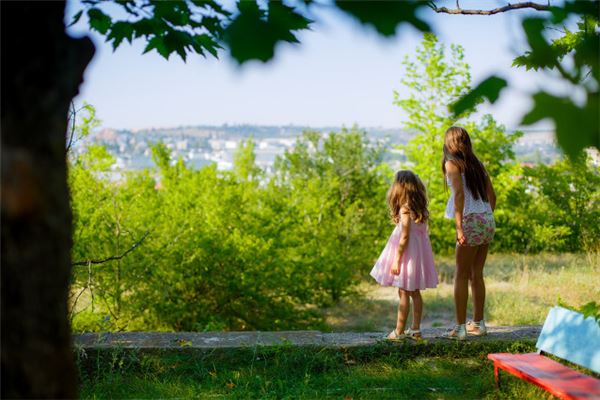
73 116
112 258
508 7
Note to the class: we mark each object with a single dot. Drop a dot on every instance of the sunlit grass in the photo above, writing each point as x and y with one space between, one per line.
520 291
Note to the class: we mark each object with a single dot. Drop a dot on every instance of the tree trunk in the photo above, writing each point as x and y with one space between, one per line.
42 68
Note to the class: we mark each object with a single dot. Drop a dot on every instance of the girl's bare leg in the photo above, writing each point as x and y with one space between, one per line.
417 302
403 308
477 283
465 257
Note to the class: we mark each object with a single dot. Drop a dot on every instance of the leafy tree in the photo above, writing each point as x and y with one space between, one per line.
574 57
566 198
81 122
433 80
548 207
337 200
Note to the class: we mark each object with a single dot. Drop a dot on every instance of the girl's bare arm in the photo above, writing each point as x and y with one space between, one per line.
405 223
453 173
404 236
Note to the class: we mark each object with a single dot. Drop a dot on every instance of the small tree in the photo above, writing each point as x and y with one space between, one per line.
433 81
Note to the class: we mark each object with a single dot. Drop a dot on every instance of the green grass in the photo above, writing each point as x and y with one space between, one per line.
521 289
451 371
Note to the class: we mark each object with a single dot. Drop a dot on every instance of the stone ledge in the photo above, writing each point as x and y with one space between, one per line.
215 340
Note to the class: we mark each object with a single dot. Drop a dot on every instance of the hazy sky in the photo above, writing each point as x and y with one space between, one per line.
341 74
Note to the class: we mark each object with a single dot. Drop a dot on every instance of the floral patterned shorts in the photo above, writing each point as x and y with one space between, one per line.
478 229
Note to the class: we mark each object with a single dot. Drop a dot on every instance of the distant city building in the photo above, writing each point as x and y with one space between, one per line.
201 145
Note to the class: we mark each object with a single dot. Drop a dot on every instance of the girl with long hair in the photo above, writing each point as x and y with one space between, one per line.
471 205
407 260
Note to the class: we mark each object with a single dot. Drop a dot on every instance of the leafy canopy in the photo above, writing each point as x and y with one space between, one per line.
251 32
575 56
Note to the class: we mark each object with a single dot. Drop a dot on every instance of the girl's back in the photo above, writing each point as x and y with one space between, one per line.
471 205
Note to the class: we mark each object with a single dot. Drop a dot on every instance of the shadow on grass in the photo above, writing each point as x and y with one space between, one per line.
450 371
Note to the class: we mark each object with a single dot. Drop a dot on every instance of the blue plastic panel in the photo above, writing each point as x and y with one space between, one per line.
567 335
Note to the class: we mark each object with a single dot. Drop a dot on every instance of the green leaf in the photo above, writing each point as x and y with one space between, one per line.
489 88
587 54
385 16
120 30
178 41
591 309
248 34
99 21
145 27
591 8
175 12
158 43
284 19
76 18
542 54
213 24
253 35
576 127
205 42
211 4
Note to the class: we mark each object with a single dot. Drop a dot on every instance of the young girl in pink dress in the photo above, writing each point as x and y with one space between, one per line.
407 260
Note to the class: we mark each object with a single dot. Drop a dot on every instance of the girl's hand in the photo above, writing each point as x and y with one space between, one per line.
396 266
460 236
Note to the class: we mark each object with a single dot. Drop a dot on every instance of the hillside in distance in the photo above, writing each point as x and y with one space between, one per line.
204 144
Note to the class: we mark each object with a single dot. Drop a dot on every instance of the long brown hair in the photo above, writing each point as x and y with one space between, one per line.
407 190
458 149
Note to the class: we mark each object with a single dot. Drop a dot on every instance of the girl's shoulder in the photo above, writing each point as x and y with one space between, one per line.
452 167
412 216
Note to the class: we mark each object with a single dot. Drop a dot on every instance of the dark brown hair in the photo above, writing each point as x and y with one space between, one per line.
458 149
407 190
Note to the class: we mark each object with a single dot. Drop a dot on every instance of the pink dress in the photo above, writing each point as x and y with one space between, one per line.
417 269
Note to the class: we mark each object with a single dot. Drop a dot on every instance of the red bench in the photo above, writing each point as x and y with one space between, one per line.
567 335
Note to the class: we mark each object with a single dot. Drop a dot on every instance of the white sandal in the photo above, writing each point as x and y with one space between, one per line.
393 335
459 332
476 328
413 334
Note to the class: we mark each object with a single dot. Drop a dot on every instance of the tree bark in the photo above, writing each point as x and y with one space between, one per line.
42 68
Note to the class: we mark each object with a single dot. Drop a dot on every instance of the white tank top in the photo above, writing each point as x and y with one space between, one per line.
471 206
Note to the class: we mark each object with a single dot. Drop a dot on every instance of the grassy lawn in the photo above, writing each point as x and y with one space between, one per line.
520 290
384 372
530 284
